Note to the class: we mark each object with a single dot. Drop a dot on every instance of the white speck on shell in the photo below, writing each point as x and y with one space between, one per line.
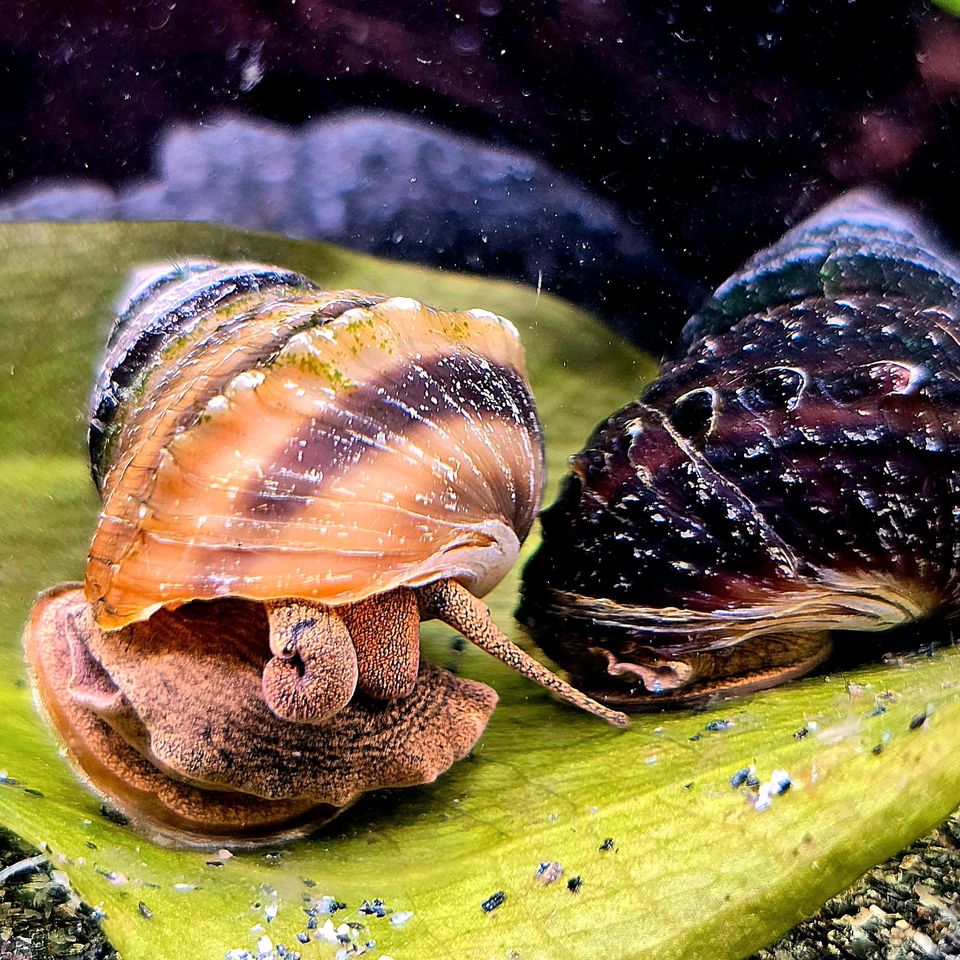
508 325
299 345
248 380
403 303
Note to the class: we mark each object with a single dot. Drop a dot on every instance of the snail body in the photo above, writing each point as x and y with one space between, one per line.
791 475
291 480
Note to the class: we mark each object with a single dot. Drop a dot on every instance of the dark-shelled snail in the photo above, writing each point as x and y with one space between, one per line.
794 473
291 479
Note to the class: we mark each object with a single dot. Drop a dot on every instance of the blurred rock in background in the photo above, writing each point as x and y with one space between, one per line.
381 184
707 127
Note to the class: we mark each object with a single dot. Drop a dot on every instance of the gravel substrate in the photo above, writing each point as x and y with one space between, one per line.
909 907
39 918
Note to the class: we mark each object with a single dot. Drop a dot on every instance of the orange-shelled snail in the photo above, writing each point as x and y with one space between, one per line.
291 480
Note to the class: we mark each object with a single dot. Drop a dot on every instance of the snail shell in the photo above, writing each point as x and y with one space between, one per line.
291 480
794 473
252 435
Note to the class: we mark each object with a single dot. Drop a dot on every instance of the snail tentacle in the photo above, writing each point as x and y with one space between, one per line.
450 602
313 673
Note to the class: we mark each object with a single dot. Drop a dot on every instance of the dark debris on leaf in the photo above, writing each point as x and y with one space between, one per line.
574 884
373 908
740 777
716 726
114 816
493 901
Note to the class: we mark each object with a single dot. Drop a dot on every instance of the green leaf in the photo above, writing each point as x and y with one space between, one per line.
694 869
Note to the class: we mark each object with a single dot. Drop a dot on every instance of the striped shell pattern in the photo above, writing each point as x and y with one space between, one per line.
252 435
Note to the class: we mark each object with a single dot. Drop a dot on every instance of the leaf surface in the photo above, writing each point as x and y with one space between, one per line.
694 869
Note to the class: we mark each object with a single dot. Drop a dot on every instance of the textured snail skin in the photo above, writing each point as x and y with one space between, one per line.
165 718
794 473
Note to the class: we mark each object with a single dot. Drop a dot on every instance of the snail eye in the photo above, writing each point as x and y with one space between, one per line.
774 388
872 379
692 413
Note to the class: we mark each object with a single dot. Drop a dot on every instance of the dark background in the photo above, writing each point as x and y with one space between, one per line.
707 126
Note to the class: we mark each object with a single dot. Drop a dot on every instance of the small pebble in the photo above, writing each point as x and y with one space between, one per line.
493 901
328 905
549 871
373 908
717 725
740 777
778 783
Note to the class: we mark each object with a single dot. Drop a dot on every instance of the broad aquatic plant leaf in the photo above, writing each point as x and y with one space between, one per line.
674 836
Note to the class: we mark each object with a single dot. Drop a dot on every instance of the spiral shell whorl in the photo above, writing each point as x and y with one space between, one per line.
161 305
